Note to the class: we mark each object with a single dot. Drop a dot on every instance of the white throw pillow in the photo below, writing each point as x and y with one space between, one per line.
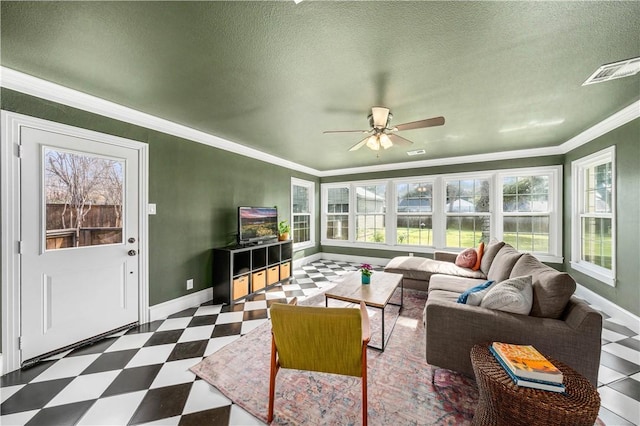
475 298
514 295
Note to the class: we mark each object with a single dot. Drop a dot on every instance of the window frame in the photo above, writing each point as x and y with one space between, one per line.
439 216
554 213
325 214
445 214
392 208
355 213
578 167
311 188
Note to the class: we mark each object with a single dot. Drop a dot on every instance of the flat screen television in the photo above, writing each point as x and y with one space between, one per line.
257 224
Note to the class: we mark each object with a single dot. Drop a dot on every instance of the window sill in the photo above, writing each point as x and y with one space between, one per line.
600 274
304 245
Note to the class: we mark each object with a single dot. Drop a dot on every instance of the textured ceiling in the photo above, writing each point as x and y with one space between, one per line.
274 75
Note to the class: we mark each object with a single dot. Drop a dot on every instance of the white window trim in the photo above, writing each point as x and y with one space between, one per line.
392 208
311 186
490 176
324 214
439 215
555 208
577 189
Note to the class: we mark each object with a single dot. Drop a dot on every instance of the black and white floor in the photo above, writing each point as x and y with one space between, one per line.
141 376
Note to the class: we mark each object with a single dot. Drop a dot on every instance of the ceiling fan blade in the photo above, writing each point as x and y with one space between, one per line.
359 144
429 122
380 116
346 131
399 140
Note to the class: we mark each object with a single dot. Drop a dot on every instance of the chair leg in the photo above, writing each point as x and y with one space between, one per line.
272 379
364 386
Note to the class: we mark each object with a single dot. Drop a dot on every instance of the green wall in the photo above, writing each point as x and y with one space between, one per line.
197 189
626 292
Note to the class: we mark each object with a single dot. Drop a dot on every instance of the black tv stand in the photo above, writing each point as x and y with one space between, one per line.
244 269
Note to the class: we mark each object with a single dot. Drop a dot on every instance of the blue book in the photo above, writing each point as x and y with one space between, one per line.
528 383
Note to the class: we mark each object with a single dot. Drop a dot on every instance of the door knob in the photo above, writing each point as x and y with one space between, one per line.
132 253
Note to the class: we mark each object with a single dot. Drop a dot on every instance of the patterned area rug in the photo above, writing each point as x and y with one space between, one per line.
403 388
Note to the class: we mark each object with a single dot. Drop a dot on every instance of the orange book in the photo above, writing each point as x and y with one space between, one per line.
526 362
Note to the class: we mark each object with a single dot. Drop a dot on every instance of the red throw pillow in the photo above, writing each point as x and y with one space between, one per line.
480 253
467 258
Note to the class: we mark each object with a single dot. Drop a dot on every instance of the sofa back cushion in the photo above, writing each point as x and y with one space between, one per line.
551 289
489 254
503 263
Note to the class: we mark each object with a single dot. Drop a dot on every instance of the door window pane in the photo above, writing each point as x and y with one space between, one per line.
83 199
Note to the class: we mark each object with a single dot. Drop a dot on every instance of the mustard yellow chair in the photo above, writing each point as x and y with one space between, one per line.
330 340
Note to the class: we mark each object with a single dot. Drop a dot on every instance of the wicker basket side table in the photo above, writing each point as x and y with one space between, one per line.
502 402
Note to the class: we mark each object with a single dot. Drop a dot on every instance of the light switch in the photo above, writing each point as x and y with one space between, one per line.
152 209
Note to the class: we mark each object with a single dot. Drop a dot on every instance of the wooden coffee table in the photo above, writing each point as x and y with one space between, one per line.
376 295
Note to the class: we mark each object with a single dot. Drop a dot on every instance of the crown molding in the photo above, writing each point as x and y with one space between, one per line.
616 120
464 159
34 86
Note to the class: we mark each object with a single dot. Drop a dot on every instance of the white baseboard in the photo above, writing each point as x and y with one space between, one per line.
376 261
303 261
163 310
622 315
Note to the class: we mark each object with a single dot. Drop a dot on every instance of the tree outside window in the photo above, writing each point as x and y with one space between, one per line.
84 199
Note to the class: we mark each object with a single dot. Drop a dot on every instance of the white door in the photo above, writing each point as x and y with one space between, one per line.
79 251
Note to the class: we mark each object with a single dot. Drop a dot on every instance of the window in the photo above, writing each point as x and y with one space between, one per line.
593 211
454 211
337 213
468 221
414 209
83 199
370 213
526 212
302 193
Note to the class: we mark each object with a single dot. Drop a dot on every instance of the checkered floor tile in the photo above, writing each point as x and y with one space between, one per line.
141 376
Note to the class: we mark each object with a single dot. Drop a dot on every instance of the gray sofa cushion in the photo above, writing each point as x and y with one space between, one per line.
454 284
409 266
503 263
551 289
489 254
419 268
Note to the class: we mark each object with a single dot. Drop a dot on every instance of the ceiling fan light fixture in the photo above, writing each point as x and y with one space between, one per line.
385 141
380 117
373 142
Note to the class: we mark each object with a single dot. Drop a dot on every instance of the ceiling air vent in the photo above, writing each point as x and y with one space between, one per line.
616 70
416 152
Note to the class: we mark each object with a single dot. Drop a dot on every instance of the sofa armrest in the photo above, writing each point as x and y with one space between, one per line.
452 329
578 315
445 256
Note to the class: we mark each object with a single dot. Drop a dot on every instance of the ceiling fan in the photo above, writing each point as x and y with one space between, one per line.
382 134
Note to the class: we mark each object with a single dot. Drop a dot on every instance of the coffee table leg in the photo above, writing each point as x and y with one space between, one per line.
383 340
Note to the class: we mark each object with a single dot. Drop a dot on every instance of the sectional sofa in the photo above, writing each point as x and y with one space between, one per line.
558 324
